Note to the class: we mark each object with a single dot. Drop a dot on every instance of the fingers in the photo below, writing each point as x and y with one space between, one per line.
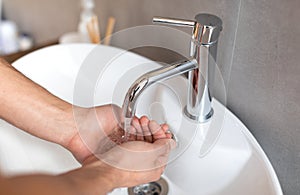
145 130
145 127
139 131
166 128
131 135
157 131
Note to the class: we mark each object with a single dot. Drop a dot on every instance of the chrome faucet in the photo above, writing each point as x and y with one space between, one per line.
200 68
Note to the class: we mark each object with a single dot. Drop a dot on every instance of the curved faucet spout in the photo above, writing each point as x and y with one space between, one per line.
146 80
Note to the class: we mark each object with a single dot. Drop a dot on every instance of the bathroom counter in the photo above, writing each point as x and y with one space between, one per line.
13 57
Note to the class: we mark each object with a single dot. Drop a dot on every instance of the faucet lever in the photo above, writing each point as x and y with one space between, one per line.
206 27
173 22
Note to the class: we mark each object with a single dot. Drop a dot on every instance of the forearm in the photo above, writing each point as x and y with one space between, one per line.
36 185
78 182
32 108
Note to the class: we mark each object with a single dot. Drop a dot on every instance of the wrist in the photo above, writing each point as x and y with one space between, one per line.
93 178
75 117
64 123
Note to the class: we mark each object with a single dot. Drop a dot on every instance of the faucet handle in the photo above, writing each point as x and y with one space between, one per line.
173 22
206 27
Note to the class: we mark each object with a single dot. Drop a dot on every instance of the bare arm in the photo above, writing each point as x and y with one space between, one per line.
86 180
32 108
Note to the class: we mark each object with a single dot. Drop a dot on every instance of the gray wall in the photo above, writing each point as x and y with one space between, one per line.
258 56
264 87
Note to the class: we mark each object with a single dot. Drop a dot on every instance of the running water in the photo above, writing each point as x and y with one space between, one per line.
126 127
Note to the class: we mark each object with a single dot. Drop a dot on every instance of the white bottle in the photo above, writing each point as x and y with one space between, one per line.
85 16
9 38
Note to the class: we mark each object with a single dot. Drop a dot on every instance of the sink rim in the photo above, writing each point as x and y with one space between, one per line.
261 153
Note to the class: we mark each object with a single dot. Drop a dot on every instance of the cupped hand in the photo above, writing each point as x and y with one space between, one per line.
134 162
144 162
139 159
100 129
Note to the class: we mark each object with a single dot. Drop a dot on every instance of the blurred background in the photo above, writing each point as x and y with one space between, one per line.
257 54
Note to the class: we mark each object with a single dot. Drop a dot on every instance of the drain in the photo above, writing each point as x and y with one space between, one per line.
159 187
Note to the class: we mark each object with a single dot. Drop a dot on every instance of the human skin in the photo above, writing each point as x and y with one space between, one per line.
33 109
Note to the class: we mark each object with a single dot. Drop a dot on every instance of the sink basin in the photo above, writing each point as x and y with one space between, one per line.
218 157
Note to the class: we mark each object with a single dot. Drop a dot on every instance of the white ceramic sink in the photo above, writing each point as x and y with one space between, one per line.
218 157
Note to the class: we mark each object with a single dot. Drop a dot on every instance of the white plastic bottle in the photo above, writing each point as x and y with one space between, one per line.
9 38
85 16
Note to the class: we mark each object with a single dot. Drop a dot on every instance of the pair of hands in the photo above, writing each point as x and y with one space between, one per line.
92 135
128 159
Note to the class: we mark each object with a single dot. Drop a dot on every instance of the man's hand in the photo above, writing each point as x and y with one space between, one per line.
134 162
92 127
97 176
140 158
100 129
